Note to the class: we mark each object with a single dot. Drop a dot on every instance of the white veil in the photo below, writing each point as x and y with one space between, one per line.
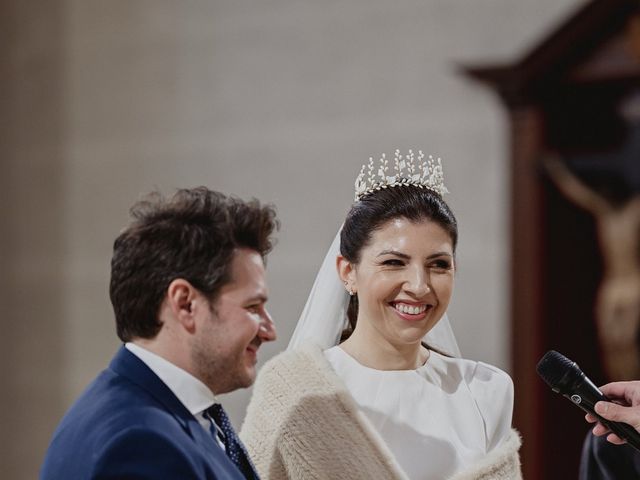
325 314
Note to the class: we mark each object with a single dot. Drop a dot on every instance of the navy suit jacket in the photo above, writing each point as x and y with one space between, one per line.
129 425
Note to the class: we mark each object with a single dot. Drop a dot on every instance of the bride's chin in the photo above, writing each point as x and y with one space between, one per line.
413 338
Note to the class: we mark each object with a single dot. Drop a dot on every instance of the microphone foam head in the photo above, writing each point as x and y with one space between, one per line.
553 367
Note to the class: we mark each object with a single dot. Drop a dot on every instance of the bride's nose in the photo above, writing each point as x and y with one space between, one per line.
417 282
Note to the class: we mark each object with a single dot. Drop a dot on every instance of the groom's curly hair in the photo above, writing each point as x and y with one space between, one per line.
375 210
190 236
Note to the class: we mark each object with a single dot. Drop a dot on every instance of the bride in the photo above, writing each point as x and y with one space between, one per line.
386 395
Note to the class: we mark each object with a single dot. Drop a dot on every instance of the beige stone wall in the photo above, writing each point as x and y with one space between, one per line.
103 101
33 380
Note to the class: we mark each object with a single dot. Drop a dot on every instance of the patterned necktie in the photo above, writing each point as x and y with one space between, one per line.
233 446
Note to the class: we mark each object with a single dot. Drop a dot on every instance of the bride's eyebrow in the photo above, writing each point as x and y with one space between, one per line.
394 252
439 254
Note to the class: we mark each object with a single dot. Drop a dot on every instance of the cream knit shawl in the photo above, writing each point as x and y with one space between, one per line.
302 423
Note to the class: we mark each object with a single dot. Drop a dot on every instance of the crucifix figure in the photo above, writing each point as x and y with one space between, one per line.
618 299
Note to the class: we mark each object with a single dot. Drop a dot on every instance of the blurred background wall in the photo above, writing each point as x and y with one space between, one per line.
101 102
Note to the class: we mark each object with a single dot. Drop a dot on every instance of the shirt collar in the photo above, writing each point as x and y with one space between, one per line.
193 394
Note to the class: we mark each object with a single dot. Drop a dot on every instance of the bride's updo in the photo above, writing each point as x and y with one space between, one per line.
375 210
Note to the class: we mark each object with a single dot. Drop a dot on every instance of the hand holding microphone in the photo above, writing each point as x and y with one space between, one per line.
626 409
566 378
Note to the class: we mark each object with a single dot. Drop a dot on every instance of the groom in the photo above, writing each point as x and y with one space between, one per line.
188 291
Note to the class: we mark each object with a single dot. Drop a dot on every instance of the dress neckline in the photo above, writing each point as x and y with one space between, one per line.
355 362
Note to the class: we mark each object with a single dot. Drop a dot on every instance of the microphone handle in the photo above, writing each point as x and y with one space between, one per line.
623 430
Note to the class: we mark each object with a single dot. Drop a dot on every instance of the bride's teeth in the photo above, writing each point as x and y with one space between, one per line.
409 309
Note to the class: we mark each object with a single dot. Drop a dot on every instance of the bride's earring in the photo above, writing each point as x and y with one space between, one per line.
349 289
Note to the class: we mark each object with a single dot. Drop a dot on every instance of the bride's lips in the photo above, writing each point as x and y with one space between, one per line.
411 311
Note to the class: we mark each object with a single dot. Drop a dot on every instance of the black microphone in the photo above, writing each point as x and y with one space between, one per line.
566 378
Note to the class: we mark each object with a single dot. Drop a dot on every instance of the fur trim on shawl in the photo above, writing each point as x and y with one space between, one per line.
302 423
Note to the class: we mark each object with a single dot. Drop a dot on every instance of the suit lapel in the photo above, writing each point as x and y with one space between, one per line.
127 365
131 367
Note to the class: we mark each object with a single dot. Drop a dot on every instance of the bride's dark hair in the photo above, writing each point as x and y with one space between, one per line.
377 209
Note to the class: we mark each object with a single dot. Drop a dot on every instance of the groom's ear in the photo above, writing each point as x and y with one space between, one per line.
182 301
346 272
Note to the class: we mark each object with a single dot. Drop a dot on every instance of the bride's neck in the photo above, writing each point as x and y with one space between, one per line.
378 353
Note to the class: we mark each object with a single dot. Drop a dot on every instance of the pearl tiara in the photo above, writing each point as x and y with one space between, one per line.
407 170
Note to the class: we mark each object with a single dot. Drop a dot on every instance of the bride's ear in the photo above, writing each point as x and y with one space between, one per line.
346 272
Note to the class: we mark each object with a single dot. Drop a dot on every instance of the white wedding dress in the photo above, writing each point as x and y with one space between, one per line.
438 419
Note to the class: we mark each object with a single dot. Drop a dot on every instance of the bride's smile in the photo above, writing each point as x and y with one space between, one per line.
410 311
